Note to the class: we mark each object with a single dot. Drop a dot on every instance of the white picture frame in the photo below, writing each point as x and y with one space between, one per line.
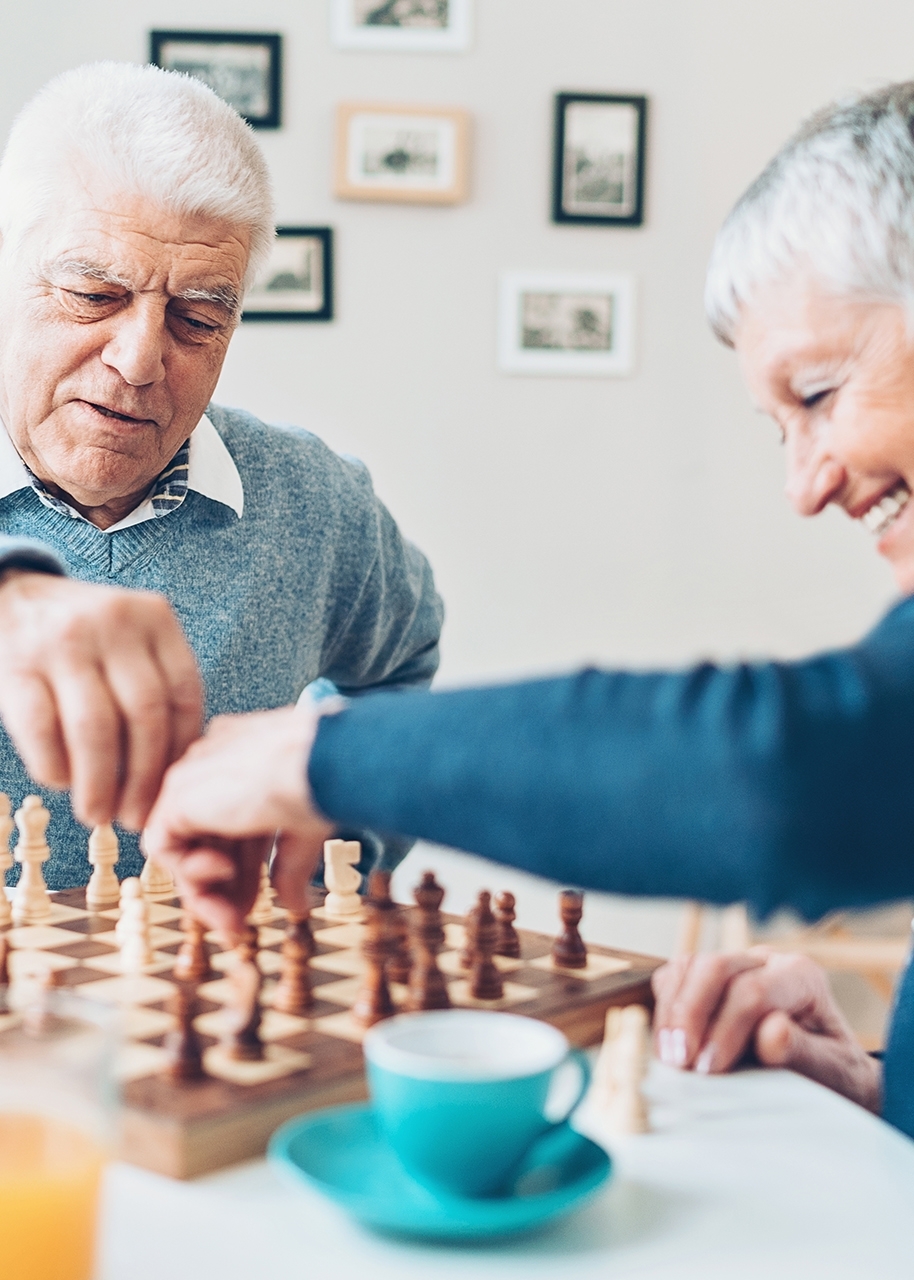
566 323
402 26
414 154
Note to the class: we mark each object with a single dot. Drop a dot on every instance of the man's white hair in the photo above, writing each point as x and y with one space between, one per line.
836 201
143 131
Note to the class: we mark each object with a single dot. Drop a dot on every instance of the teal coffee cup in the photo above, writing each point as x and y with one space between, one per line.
462 1095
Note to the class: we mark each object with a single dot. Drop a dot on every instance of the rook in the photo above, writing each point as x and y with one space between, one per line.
568 950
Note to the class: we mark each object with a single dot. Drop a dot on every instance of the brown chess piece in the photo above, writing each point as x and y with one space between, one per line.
373 1002
485 981
292 994
182 1042
507 943
427 984
192 961
568 950
243 1041
4 960
400 961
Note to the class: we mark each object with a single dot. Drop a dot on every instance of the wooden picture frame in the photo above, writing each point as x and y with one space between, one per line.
567 324
414 154
297 281
244 68
599 159
402 26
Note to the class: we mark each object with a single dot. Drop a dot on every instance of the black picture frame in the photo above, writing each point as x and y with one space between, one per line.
258 304
271 43
631 206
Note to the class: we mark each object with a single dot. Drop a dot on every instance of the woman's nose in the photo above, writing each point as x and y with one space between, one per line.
813 476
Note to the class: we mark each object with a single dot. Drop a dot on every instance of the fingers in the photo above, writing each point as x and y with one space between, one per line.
218 879
29 711
146 728
184 685
836 1062
294 863
92 732
688 996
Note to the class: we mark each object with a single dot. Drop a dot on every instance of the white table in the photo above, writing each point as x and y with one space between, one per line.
755 1176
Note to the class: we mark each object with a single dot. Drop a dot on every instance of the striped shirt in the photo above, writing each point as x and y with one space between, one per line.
166 495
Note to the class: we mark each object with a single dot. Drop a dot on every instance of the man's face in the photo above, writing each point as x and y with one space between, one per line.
115 317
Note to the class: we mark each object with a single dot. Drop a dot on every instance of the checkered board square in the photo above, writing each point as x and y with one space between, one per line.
190 1128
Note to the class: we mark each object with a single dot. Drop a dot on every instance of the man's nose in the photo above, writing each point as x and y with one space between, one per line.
814 477
136 348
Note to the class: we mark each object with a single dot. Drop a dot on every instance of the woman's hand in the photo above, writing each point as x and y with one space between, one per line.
713 1010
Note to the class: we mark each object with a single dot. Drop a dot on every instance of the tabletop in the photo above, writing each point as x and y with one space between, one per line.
757 1174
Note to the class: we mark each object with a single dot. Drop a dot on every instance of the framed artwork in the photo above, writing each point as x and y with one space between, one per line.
566 323
243 68
297 281
598 173
419 26
416 154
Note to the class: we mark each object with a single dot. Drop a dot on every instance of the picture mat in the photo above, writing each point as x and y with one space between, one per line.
594 313
292 279
428 139
349 30
604 136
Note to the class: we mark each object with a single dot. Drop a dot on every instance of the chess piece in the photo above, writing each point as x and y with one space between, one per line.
485 981
182 1042
156 880
568 950
31 904
427 984
132 928
262 910
104 887
341 878
373 1002
6 859
4 960
400 962
621 1066
243 1041
292 994
507 943
192 961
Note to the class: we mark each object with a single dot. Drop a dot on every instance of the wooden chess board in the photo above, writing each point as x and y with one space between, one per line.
193 1127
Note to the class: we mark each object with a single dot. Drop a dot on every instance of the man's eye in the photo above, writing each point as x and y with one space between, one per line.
810 402
200 325
92 299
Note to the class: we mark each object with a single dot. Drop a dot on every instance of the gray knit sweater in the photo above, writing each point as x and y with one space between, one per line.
315 580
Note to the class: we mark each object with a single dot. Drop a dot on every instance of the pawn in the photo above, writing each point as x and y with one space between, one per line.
427 984
507 943
6 859
192 961
243 1042
132 928
568 950
31 903
156 879
182 1042
103 887
293 994
621 1066
373 1001
486 982
262 910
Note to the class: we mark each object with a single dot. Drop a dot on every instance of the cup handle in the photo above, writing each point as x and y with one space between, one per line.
579 1059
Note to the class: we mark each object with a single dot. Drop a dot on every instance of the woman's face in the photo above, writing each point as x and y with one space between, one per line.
837 376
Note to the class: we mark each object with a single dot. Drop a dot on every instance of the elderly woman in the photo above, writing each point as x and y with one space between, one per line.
780 783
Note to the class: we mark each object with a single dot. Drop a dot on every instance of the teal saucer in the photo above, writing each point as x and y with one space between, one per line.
342 1153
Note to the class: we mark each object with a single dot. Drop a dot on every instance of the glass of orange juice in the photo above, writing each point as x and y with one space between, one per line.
56 1114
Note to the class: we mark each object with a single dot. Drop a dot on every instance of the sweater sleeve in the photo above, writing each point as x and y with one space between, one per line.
28 554
777 783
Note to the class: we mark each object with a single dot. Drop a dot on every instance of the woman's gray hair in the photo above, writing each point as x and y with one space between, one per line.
143 131
837 201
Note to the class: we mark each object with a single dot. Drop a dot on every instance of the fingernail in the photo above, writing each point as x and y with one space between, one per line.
666 1050
678 1049
705 1059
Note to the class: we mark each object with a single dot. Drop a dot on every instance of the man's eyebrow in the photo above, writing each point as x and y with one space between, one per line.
223 295
86 270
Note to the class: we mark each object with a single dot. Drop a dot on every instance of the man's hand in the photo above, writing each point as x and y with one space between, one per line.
99 691
236 790
714 1009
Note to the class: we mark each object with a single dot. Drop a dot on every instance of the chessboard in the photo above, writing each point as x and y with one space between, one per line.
188 1127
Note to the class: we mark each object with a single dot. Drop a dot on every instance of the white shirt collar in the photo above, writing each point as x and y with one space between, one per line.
211 471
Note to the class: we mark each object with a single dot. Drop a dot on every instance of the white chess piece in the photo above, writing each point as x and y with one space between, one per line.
6 858
31 904
262 910
156 879
620 1069
341 877
132 928
104 887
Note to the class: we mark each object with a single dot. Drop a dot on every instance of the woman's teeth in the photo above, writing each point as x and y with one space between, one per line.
885 512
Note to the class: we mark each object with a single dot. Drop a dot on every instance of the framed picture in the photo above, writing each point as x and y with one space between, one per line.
297 281
566 323
417 154
598 174
420 26
243 68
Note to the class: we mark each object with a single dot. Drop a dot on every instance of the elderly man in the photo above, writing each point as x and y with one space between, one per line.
781 783
134 207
